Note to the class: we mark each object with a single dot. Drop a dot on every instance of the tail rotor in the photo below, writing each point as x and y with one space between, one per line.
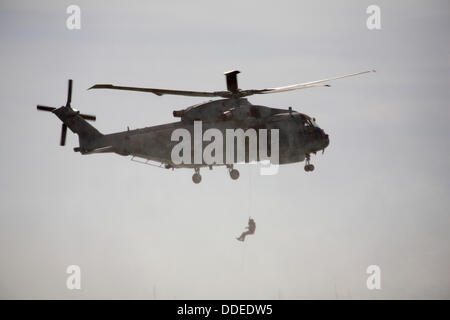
69 94
71 113
62 141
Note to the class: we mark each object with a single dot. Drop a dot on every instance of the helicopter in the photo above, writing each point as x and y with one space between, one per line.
299 136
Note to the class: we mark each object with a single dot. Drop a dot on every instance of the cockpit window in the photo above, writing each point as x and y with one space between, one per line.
309 122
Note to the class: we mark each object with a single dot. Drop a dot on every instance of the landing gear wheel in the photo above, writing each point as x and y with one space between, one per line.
196 178
308 166
234 174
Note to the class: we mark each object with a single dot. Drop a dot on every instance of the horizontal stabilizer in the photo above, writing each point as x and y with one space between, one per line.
97 150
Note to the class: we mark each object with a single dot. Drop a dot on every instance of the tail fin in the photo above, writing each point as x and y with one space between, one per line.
89 137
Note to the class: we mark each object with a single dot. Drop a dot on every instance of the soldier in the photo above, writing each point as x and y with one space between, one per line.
251 229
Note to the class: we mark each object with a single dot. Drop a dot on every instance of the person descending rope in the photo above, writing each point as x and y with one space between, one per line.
251 229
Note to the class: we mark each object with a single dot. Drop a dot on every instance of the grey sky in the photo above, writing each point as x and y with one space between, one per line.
379 195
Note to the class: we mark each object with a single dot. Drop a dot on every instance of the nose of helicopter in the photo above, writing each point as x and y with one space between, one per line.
326 141
323 138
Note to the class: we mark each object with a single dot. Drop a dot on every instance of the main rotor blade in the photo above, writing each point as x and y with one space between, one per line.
63 134
69 93
45 108
232 86
318 83
160 92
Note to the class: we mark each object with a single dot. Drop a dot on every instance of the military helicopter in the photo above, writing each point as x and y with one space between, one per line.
299 135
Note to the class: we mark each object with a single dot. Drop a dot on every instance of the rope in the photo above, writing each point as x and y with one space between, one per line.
250 191
249 211
243 254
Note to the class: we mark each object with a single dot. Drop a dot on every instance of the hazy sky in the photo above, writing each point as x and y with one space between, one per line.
379 194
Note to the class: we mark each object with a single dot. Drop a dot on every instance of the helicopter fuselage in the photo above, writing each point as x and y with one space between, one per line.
298 135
